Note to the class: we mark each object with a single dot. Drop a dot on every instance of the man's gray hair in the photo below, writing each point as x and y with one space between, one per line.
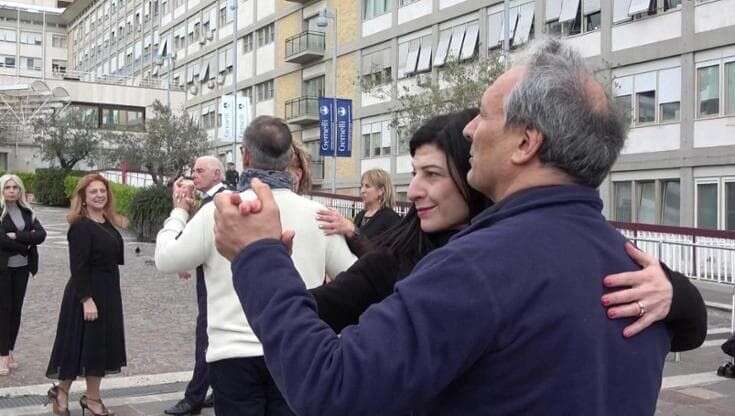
213 163
583 131
268 140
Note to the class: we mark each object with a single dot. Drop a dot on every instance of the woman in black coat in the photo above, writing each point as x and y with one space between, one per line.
90 336
376 190
444 203
20 233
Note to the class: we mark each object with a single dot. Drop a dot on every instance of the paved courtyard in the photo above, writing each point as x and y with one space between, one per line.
160 312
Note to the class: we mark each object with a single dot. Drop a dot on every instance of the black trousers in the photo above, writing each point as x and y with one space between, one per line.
13 284
244 387
196 390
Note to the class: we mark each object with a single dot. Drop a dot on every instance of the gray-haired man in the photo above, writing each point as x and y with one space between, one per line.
503 320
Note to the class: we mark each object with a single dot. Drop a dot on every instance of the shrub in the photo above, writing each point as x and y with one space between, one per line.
29 181
149 208
123 193
49 186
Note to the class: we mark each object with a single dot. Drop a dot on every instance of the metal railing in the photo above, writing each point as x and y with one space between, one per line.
304 41
349 206
306 106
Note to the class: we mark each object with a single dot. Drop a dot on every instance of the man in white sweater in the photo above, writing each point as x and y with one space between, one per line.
241 382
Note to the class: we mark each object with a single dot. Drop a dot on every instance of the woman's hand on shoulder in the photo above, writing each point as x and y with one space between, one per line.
332 222
646 293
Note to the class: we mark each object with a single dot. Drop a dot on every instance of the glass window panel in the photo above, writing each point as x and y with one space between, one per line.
622 196
730 87
707 205
730 205
624 105
646 106
366 145
594 21
375 143
708 81
646 209
670 111
671 202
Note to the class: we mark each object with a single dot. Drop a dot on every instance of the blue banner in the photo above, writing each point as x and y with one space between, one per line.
325 126
344 128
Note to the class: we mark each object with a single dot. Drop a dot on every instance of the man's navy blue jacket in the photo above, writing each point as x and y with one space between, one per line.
504 320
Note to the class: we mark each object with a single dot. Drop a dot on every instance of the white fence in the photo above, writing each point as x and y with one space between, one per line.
350 206
136 179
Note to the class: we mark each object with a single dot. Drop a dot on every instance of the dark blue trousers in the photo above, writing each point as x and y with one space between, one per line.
196 391
244 387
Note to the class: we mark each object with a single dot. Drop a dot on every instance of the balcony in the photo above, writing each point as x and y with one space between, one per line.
302 110
305 47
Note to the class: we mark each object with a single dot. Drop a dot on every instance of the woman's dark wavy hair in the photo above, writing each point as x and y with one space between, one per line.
406 240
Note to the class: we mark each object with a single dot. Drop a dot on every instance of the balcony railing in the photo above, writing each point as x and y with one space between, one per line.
304 47
302 110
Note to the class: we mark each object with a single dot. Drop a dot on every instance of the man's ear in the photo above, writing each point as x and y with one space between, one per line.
529 146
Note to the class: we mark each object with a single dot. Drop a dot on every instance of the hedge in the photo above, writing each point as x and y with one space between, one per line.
149 208
49 186
123 194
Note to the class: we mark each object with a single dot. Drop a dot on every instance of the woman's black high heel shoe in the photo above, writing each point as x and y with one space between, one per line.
83 403
52 396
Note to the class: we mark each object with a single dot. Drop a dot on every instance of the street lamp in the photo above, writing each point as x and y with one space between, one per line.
322 21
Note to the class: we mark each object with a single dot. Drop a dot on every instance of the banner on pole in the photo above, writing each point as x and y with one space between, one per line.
225 109
325 126
344 128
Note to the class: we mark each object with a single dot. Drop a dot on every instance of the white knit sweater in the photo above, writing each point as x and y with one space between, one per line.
314 255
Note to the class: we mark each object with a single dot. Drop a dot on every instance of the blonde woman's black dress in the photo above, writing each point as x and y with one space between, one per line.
90 348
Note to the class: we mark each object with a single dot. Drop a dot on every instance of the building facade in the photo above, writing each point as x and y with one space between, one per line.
671 63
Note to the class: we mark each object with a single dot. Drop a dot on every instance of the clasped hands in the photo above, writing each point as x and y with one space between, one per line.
183 195
241 221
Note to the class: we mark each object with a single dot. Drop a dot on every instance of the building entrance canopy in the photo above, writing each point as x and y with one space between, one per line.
22 102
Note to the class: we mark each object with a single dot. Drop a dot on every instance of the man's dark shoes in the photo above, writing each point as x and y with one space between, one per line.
209 401
183 408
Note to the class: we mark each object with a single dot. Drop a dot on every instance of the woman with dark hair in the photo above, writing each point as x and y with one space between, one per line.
90 339
443 203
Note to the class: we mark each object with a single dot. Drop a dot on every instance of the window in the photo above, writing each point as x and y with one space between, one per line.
376 68
264 91
730 88
58 66
669 81
209 116
623 102
7 35
520 29
708 87
408 55
623 205
7 61
402 3
646 105
30 63
314 87
247 93
247 43
225 15
265 35
671 201
730 205
375 8
376 139
646 202
88 113
31 38
122 118
707 205
164 7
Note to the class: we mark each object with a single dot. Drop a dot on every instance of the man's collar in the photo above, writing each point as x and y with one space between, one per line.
213 190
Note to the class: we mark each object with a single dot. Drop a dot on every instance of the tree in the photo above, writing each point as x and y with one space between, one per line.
67 137
169 144
458 86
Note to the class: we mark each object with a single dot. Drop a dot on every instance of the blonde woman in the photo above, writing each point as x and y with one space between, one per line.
377 194
90 340
20 234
